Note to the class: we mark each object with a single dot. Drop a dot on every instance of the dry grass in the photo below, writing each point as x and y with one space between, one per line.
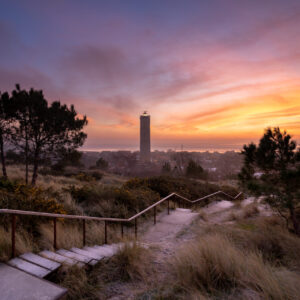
237 204
233 216
79 283
24 243
250 210
70 235
215 265
132 261
57 183
202 215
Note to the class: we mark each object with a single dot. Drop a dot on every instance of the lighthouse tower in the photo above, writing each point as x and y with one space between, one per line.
145 137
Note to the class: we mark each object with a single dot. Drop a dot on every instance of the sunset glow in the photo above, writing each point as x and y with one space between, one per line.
212 74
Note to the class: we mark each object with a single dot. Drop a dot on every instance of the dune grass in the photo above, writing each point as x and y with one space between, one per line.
81 284
216 266
24 243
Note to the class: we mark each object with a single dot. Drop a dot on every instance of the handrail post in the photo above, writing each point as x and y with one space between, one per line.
135 227
105 232
54 234
168 206
13 236
122 230
83 232
154 215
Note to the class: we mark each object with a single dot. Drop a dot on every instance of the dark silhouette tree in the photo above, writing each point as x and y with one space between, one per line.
102 164
166 168
194 170
272 169
23 103
43 129
6 119
67 157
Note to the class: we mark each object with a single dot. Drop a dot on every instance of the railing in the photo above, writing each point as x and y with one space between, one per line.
14 213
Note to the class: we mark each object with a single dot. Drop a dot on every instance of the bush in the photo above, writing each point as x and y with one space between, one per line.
114 202
96 175
24 197
14 195
165 185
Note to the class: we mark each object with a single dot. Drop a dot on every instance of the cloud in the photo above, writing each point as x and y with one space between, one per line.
105 66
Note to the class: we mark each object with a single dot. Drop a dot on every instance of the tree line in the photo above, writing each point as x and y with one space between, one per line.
36 128
272 169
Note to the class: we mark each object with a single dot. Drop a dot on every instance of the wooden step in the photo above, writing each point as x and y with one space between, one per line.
101 250
41 261
28 267
87 253
109 250
74 256
59 258
18 285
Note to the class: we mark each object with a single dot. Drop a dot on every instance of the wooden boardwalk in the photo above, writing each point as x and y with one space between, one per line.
23 277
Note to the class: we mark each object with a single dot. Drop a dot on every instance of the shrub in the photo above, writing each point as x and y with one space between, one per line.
96 175
165 185
14 195
24 197
83 177
114 202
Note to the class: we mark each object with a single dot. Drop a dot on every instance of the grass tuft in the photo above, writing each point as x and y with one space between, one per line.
132 261
215 265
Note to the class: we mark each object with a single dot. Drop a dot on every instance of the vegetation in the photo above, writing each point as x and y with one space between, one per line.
194 170
215 265
272 169
37 129
102 164
165 185
166 168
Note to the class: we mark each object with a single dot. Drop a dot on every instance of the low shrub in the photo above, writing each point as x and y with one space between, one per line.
165 185
110 201
19 196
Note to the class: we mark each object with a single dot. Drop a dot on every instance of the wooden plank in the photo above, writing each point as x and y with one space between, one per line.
87 253
58 258
75 256
41 261
18 285
28 267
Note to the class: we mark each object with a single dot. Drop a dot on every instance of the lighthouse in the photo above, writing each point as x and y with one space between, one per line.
145 137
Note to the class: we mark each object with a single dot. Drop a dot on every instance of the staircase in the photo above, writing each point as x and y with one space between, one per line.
22 278
29 269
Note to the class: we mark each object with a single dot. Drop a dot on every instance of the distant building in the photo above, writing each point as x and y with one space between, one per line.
145 137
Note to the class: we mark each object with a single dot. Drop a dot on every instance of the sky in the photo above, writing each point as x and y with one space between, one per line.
212 74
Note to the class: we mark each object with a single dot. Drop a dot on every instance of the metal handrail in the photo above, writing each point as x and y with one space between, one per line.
14 213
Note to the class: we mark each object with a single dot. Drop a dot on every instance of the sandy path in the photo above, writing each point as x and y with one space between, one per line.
164 238
169 234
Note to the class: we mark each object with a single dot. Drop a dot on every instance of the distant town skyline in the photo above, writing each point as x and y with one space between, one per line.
213 74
